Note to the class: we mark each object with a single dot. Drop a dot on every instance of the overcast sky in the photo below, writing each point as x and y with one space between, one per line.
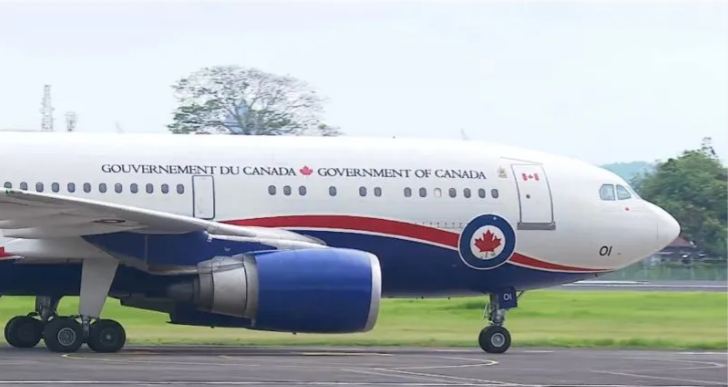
599 81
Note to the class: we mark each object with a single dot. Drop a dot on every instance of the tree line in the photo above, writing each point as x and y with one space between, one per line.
693 187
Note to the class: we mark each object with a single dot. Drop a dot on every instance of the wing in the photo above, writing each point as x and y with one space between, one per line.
32 215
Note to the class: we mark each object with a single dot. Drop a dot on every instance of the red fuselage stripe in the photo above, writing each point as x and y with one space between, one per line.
357 223
389 227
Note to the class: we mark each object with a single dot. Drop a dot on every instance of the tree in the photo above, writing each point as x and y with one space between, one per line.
329 131
693 189
238 100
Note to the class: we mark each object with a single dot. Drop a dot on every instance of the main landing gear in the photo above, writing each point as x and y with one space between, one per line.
495 338
68 333
23 331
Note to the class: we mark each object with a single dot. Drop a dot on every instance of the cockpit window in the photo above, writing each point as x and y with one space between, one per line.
622 193
606 192
633 192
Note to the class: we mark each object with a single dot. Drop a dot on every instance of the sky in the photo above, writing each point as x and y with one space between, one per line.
599 81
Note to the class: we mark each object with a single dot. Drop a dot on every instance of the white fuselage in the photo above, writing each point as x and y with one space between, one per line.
552 203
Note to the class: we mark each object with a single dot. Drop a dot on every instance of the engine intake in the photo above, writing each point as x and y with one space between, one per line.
325 290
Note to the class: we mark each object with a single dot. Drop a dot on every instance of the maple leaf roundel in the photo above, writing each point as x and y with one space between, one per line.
487 242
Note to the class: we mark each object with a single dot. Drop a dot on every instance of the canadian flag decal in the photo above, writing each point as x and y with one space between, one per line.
530 176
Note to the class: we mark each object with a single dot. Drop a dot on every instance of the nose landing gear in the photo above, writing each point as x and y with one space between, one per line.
495 338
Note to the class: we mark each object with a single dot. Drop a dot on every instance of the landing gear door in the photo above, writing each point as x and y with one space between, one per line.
203 197
534 197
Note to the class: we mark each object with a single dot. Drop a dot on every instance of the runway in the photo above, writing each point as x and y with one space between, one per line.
311 366
649 286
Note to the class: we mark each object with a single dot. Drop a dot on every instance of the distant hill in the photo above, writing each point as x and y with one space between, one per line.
628 171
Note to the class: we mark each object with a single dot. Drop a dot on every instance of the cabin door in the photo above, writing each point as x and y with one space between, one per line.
534 197
203 196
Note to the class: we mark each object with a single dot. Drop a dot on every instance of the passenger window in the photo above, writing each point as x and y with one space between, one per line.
118 188
481 193
86 187
452 192
23 186
437 192
302 190
494 193
180 189
55 187
287 190
408 192
377 191
134 188
423 192
362 191
165 188
71 187
606 192
622 193
332 191
271 190
8 185
466 192
102 187
150 188
39 187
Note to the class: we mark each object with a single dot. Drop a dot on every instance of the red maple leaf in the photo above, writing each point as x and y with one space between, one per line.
488 242
305 171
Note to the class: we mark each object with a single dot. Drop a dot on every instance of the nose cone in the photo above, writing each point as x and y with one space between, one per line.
667 227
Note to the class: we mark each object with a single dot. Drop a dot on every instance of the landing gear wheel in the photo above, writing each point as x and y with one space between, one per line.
494 339
23 331
63 334
106 336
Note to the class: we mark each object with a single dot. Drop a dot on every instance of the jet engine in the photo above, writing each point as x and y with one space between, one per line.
325 290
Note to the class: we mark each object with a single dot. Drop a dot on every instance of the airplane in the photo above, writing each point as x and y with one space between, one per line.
297 234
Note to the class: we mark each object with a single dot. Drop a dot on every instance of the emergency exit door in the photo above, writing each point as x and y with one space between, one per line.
203 197
534 197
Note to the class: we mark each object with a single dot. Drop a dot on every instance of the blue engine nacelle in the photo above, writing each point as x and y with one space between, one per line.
324 290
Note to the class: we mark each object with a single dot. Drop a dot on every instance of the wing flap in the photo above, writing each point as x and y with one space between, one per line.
65 231
18 211
42 221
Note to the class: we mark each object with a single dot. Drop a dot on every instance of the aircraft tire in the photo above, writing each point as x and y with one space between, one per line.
23 331
63 334
106 336
494 339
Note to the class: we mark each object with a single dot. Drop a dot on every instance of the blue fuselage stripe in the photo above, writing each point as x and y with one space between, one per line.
408 267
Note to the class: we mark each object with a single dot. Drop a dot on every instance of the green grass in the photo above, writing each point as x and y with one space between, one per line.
676 320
